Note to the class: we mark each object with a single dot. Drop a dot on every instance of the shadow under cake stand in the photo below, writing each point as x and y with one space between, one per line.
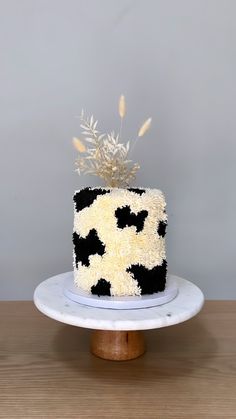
117 333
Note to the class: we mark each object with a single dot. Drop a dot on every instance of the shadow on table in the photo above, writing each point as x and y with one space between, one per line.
175 351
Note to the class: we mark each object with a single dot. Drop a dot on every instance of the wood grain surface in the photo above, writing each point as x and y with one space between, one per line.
117 345
47 371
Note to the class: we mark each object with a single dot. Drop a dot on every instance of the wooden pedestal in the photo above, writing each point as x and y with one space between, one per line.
117 345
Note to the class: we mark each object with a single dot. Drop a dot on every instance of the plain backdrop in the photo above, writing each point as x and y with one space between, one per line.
174 60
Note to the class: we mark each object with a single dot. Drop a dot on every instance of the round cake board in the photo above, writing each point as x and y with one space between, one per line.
117 333
78 295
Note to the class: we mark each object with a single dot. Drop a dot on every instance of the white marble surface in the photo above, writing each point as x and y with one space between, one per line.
118 303
49 298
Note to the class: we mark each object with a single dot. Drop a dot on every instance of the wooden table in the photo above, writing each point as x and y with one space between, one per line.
189 370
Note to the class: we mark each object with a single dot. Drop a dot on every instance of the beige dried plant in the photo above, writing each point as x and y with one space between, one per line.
145 127
105 155
79 145
122 106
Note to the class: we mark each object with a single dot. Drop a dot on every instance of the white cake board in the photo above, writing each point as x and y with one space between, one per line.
50 299
119 303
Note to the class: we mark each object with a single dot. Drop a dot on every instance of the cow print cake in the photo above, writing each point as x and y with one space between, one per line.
119 241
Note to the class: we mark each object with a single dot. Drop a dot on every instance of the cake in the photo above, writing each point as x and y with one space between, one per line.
119 231
119 241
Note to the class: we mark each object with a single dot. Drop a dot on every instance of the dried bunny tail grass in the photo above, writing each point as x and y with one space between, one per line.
122 106
145 127
79 146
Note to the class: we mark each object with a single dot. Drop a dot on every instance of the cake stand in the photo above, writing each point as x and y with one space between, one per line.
117 334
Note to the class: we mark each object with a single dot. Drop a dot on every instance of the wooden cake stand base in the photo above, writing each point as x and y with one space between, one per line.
116 334
117 345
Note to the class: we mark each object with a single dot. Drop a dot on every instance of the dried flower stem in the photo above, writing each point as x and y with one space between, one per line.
133 145
121 127
143 129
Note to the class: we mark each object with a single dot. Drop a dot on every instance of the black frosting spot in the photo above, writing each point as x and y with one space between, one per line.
161 230
86 196
102 287
137 190
126 218
149 280
84 247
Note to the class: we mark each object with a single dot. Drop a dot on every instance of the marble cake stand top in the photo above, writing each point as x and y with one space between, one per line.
50 299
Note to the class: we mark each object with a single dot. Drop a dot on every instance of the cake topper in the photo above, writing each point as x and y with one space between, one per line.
105 155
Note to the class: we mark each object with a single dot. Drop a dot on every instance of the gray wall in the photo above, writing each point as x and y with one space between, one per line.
174 60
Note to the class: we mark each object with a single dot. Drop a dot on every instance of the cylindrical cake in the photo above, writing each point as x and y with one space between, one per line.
119 241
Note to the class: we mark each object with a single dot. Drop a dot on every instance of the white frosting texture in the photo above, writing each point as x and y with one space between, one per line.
125 246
